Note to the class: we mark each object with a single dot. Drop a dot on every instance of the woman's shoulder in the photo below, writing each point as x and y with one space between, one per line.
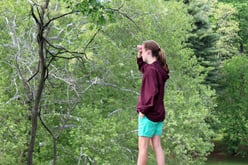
150 69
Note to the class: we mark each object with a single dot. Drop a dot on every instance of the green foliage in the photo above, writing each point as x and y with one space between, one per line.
13 127
13 133
188 102
89 104
99 142
68 80
243 17
225 25
242 8
13 110
233 103
227 28
13 116
99 12
189 105
202 38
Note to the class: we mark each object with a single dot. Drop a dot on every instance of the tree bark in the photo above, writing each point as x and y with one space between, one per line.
42 79
55 150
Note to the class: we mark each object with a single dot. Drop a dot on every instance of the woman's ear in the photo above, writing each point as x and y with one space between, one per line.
149 52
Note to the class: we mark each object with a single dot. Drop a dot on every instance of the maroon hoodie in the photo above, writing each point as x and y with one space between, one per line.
151 99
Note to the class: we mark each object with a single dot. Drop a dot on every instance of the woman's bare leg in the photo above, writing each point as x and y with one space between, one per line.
143 150
158 150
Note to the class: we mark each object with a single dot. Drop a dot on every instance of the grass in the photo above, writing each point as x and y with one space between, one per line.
221 158
227 162
220 155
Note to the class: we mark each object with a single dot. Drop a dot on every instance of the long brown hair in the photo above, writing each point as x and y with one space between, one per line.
157 52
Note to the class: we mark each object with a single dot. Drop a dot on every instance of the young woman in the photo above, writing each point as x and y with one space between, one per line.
152 64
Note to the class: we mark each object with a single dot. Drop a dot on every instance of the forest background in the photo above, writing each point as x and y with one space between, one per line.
69 81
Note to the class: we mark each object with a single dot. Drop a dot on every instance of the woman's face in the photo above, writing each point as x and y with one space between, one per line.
144 53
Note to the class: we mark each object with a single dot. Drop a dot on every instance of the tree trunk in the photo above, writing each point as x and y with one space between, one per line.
42 79
35 110
55 150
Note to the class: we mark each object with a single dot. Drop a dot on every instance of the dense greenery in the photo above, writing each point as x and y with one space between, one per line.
202 39
233 100
70 67
242 15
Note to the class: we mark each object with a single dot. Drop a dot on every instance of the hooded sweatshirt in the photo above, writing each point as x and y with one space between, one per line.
151 99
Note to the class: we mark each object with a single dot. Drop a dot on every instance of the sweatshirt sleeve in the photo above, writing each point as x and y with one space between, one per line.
149 91
141 64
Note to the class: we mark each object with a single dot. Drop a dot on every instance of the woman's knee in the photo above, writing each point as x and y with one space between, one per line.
156 143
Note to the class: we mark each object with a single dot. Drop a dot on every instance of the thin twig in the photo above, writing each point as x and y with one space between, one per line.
97 81
44 124
126 16
33 15
92 39
63 50
55 18
34 73
41 19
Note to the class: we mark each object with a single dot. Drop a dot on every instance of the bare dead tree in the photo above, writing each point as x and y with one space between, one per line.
47 53
40 14
18 45
39 19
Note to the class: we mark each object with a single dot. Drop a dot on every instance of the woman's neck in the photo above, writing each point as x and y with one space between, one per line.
151 60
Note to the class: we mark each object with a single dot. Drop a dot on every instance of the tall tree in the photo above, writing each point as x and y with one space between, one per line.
49 51
41 62
14 107
232 107
242 17
224 24
232 27
101 128
188 101
227 28
202 38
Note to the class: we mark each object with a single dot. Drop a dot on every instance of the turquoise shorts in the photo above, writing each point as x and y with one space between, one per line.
148 128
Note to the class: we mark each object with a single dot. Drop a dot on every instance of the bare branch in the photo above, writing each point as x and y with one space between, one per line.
68 81
46 4
52 59
41 13
58 17
58 36
16 96
33 15
34 73
92 39
99 82
125 15
45 126
63 50
64 57
16 45
115 111
32 3
92 82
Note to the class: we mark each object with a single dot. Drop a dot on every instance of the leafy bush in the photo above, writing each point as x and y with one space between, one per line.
233 103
